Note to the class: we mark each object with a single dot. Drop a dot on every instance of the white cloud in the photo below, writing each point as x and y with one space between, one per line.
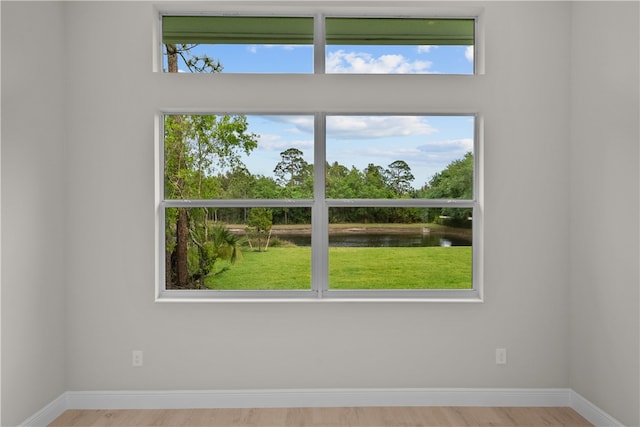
365 63
468 53
267 139
361 127
462 146
270 142
301 124
398 153
425 48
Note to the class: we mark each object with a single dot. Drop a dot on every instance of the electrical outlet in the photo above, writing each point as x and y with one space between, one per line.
501 356
136 358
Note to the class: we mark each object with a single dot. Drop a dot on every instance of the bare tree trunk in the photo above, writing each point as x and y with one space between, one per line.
182 236
168 271
182 224
172 58
266 246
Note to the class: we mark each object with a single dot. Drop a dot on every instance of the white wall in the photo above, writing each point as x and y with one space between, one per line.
0 224
105 231
525 100
605 314
33 206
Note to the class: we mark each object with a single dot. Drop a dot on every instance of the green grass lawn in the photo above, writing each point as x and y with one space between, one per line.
288 268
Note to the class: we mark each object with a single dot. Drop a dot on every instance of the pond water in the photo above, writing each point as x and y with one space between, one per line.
384 240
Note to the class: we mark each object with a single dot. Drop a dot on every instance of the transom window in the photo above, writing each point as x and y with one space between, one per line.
269 44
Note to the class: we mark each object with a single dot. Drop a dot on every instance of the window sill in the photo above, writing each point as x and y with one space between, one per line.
462 296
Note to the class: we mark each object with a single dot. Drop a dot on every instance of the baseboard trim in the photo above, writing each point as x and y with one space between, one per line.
183 399
319 398
47 414
592 413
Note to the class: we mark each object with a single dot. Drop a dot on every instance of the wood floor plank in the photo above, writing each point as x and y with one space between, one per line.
452 416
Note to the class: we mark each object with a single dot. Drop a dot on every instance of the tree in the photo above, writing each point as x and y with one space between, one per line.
260 220
375 184
343 183
195 64
237 184
195 147
292 170
400 177
295 175
265 188
453 182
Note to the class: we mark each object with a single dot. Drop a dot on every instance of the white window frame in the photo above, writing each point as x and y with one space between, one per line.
319 290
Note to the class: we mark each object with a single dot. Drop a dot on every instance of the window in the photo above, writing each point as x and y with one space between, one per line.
323 204
233 194
238 44
269 44
387 179
399 46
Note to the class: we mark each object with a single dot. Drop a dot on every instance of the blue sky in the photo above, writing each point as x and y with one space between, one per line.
427 143
341 59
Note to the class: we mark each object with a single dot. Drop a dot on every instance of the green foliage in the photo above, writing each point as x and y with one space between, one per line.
292 169
224 244
373 182
196 148
341 182
260 221
400 177
214 243
454 182
374 185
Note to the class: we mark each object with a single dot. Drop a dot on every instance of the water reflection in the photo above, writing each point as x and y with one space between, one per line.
384 240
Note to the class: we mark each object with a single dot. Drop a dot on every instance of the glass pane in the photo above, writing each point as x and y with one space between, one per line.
391 157
399 46
237 44
400 248
238 248
238 157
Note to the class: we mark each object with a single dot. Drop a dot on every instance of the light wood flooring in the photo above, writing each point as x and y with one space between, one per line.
335 417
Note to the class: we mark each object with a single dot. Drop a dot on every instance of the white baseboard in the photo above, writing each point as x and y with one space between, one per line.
49 413
183 399
592 413
318 398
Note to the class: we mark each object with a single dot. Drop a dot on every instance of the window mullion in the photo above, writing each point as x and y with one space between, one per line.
320 213
319 44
